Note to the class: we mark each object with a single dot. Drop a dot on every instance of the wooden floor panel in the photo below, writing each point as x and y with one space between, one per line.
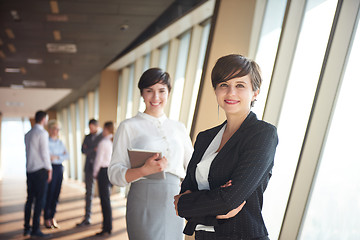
70 211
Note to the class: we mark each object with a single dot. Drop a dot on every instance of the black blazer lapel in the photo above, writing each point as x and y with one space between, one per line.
249 120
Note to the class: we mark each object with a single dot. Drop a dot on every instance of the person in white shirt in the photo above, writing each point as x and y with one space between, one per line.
102 161
38 172
149 211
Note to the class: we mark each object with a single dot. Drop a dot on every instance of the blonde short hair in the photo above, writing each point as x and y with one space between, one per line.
52 123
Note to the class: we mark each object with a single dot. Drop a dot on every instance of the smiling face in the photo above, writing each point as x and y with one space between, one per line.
155 98
235 95
54 131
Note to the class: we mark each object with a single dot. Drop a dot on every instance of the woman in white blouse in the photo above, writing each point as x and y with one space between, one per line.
149 212
102 161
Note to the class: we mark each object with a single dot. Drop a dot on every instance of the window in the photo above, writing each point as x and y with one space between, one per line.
130 92
334 203
179 77
297 103
268 45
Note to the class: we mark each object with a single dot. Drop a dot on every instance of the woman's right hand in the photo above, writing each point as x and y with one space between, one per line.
154 165
233 212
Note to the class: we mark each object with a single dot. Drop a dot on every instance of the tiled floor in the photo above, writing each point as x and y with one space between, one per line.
69 212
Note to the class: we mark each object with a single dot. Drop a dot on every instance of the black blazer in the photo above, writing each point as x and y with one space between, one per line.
247 159
89 146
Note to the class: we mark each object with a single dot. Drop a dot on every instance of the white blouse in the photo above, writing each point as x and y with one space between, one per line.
203 168
146 132
103 154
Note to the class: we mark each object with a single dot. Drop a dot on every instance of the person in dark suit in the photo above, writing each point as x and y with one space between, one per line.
89 147
222 193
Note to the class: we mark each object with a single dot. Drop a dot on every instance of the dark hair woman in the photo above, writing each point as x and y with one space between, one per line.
149 211
222 193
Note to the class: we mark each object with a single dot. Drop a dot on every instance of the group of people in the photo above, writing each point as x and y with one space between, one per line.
217 185
45 154
97 146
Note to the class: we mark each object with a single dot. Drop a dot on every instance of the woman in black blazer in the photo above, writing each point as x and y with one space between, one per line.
222 193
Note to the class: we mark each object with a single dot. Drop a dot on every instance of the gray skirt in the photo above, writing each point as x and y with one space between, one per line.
150 212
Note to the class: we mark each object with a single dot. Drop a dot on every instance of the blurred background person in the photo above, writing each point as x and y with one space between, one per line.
58 154
149 212
89 147
38 172
102 161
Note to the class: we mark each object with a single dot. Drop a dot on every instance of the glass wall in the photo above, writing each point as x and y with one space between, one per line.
131 80
13 161
303 48
334 207
267 48
179 78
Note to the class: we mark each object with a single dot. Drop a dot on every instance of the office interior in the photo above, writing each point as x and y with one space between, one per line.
308 51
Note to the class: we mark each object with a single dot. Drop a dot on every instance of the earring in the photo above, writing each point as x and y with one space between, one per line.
218 111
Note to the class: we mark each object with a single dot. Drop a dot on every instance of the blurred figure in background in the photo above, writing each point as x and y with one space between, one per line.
89 147
38 172
58 154
102 161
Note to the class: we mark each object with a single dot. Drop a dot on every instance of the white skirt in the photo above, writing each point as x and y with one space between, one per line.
150 212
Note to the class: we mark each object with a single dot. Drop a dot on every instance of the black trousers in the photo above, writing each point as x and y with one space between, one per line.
204 235
89 186
36 190
53 192
104 192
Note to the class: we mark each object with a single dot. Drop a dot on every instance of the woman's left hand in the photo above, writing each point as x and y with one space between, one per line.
232 213
176 200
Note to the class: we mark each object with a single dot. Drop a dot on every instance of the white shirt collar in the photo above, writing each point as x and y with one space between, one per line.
152 118
108 136
38 125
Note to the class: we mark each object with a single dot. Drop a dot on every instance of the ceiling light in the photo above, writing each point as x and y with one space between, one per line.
31 83
15 15
61 48
14 104
34 61
12 48
12 70
65 76
23 70
124 27
54 7
57 18
57 35
17 86
2 54
9 33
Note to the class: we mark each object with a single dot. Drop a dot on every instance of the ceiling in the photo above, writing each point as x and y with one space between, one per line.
50 48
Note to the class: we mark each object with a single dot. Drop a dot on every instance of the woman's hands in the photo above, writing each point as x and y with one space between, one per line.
176 200
233 212
152 165
230 214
